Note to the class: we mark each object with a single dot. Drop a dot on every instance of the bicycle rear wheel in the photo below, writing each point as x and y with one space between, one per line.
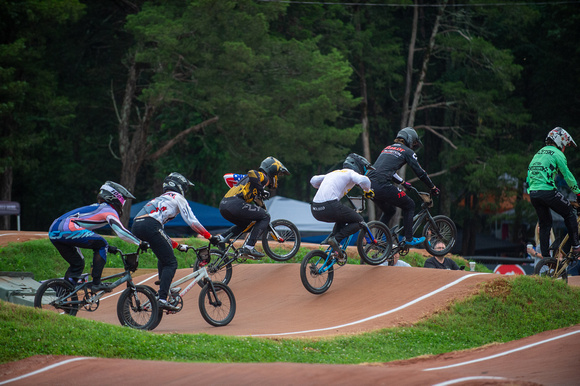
57 295
551 267
138 308
374 253
440 235
315 278
216 269
289 243
217 308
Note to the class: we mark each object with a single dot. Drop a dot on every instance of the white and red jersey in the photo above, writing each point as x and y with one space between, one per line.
169 205
335 185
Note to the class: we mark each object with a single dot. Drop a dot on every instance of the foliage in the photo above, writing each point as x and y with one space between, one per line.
504 310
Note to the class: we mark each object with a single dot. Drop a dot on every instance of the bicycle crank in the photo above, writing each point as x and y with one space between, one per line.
91 303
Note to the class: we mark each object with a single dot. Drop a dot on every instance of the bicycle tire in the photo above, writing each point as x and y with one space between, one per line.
137 308
547 268
287 249
312 279
52 289
217 271
446 234
218 311
159 310
375 254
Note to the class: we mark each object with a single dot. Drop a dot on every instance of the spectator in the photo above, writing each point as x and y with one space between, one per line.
440 262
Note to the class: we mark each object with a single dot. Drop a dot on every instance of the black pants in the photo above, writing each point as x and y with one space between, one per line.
68 245
347 220
242 213
543 201
150 230
387 198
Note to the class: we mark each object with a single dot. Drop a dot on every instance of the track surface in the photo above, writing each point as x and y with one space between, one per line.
271 302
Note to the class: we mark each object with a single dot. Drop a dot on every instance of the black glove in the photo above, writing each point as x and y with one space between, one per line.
144 246
435 191
265 195
214 240
112 249
406 185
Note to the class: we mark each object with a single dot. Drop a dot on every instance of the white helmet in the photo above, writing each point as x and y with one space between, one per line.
561 138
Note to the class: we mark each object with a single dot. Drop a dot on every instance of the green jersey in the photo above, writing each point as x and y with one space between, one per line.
545 165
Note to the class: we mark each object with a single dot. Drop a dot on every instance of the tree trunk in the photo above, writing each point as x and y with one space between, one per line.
6 179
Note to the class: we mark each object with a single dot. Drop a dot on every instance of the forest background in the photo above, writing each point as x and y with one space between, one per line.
130 90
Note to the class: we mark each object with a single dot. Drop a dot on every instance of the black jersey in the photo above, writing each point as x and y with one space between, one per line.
391 159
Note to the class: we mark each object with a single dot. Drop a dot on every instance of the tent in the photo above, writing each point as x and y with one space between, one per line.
208 216
298 212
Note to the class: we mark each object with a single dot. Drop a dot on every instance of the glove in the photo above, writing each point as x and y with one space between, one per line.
182 247
112 249
435 191
144 246
370 194
214 240
575 204
406 185
265 195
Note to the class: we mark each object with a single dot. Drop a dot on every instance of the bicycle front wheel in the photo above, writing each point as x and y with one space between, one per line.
287 246
440 235
217 307
219 267
315 276
377 251
137 308
57 295
551 267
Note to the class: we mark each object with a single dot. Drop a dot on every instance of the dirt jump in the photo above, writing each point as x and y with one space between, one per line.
272 303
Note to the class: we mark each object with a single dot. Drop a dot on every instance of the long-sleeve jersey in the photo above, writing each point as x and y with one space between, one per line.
391 159
546 164
335 185
169 205
249 187
89 218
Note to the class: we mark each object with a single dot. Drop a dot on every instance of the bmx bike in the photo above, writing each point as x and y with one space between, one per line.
281 242
136 308
317 267
439 231
217 303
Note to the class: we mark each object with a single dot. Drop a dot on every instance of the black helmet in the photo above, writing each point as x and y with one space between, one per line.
273 168
358 163
409 135
176 182
115 195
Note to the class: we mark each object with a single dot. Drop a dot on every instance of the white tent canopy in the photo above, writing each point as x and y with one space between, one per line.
298 212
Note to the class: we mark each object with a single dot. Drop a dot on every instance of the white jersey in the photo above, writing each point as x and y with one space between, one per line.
335 185
169 205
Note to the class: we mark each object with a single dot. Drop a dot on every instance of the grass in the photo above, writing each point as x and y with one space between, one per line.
505 309
43 260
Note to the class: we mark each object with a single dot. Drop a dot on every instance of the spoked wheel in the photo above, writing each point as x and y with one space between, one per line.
377 251
138 308
287 246
57 295
440 237
216 269
217 308
551 267
316 278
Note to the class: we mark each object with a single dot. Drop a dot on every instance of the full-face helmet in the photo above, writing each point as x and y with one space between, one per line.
561 138
176 182
358 163
273 168
410 136
115 195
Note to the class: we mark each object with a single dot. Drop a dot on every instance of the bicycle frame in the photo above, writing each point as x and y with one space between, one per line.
197 276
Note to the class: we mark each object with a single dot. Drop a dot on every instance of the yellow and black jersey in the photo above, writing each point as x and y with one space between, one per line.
250 187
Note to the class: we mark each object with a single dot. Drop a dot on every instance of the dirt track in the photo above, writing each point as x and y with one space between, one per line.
272 302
